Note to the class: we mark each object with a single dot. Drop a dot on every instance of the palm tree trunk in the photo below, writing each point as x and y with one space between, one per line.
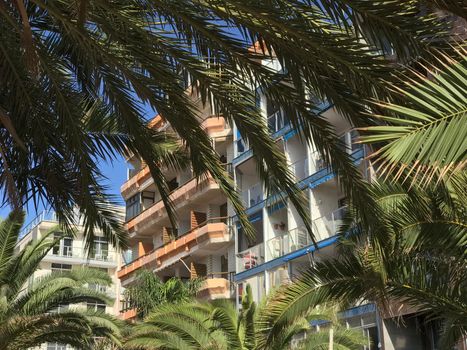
331 338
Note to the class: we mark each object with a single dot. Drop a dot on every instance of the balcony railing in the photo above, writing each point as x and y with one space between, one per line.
328 225
297 238
185 240
80 253
300 169
250 258
46 215
277 121
288 242
252 195
241 146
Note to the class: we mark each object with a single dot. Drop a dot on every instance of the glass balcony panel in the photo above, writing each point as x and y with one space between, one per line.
300 169
288 242
327 225
241 146
250 258
253 195
277 121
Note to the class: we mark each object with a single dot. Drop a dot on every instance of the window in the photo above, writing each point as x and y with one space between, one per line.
60 308
56 346
60 267
276 118
95 306
95 286
133 207
64 248
100 251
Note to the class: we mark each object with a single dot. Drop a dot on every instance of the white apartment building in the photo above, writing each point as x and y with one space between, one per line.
70 254
209 242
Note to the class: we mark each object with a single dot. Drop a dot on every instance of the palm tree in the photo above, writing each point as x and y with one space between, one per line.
413 253
425 136
218 325
28 315
75 74
149 292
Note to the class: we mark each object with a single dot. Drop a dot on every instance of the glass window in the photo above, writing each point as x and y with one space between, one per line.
60 267
100 251
64 248
133 206
96 306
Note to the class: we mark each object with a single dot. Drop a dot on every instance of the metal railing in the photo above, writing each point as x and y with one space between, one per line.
80 253
46 215
241 146
300 169
328 225
288 242
126 305
224 219
253 195
250 258
277 121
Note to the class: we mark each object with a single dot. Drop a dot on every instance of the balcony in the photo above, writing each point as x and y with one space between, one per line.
208 235
278 124
127 310
78 255
190 190
295 239
300 169
288 242
250 258
252 195
137 178
213 124
135 182
217 286
328 225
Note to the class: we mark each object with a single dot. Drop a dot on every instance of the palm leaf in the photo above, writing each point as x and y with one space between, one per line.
425 137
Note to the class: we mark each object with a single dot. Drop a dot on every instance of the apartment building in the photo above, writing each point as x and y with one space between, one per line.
282 248
202 244
209 241
70 254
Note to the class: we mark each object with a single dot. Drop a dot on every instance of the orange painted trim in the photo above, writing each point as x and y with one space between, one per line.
208 232
215 287
178 195
135 182
129 314
156 122
213 124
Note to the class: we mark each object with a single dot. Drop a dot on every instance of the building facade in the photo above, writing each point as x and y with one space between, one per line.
202 245
209 242
70 254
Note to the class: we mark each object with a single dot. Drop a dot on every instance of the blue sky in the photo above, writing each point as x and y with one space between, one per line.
115 173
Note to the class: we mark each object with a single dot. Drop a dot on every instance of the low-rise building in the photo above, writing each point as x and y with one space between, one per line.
70 254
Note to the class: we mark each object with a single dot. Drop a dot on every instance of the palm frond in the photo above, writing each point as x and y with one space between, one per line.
425 138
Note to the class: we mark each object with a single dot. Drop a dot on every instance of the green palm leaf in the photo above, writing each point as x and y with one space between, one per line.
427 136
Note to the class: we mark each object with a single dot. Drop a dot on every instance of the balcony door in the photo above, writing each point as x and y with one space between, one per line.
64 248
100 251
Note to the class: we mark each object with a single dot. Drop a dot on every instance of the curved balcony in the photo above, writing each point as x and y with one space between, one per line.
217 286
212 124
189 190
208 235
135 182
